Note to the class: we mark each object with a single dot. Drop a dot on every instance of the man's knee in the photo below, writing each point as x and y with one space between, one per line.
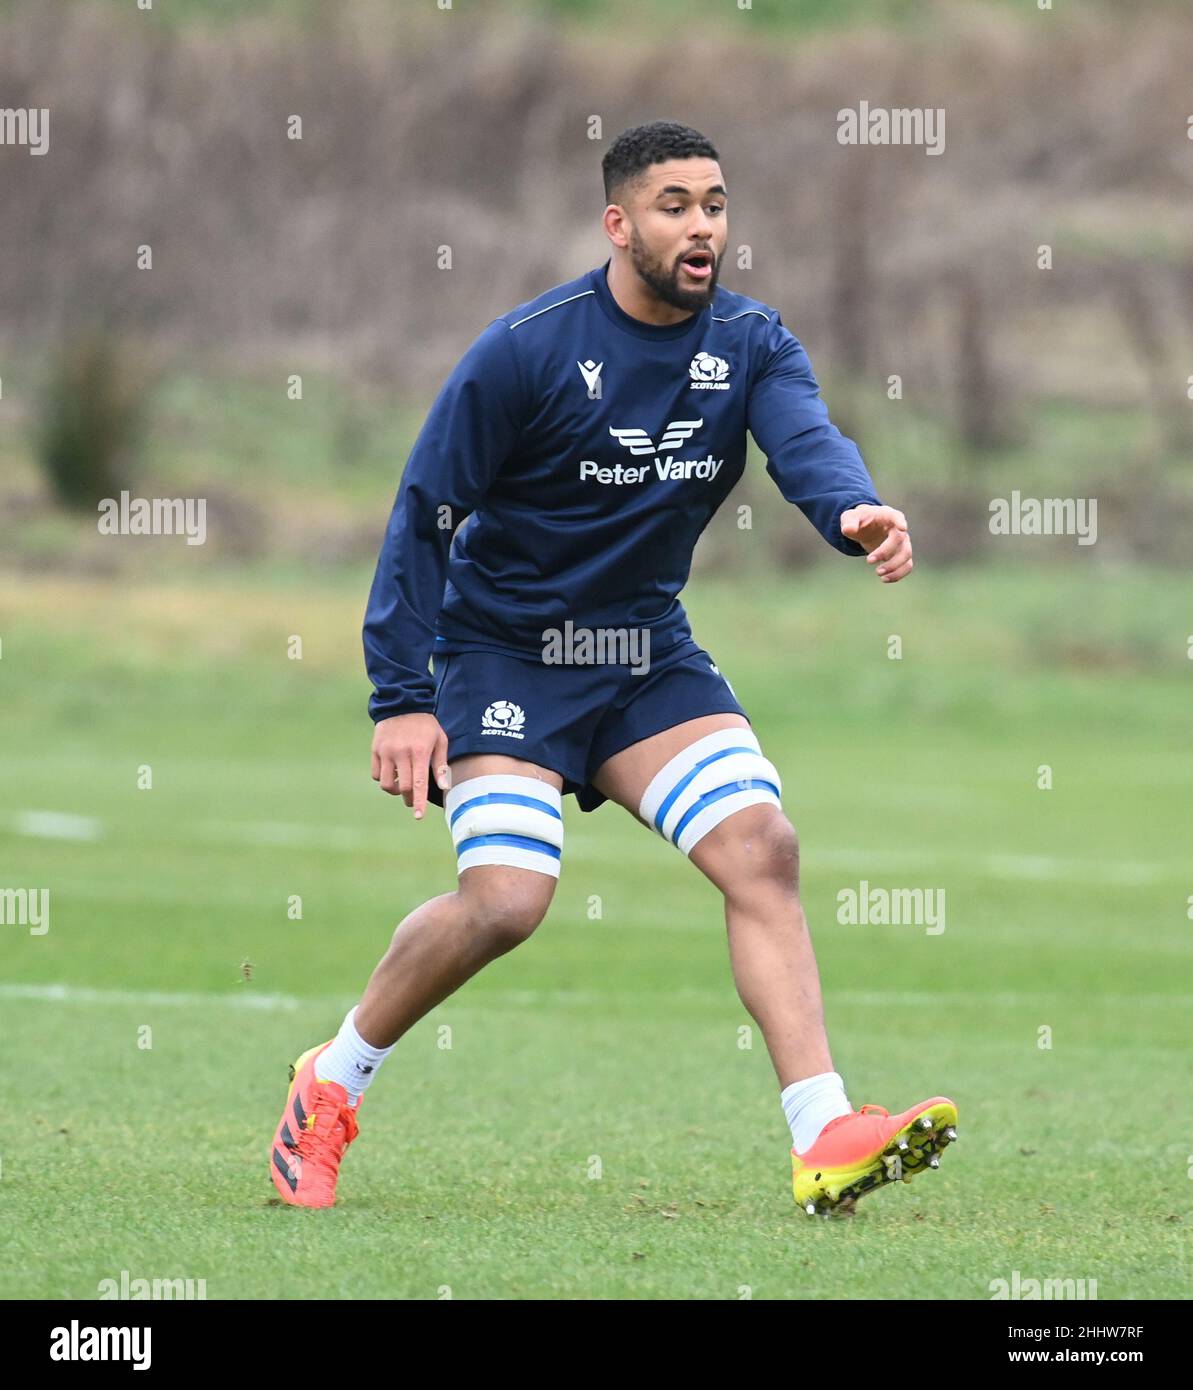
504 905
780 853
757 847
507 829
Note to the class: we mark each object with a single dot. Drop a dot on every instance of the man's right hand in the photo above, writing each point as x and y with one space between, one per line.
404 747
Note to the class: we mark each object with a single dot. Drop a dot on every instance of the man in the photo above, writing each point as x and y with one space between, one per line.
588 436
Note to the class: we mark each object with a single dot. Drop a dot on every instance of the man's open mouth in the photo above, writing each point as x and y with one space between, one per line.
698 264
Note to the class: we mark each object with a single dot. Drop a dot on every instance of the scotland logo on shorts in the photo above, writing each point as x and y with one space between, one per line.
503 717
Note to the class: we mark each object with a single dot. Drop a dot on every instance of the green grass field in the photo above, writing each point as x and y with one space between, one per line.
595 1129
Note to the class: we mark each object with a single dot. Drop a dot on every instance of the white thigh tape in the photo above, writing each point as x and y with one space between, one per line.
707 781
501 819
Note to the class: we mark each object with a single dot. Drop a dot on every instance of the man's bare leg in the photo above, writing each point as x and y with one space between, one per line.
753 858
445 941
434 950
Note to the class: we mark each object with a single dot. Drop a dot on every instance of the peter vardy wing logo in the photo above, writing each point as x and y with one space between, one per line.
636 441
663 464
709 373
639 442
503 717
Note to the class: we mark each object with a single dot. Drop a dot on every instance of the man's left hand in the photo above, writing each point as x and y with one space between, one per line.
882 531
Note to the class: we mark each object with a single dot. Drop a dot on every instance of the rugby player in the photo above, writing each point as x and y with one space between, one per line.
560 482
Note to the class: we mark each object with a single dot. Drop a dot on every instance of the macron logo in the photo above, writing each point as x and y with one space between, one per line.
591 372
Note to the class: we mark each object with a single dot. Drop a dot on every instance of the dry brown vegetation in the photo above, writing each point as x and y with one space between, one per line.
277 253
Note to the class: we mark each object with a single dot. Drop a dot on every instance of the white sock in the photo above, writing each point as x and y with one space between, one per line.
350 1060
810 1104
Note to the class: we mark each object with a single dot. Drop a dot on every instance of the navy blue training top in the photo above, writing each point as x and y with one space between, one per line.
585 451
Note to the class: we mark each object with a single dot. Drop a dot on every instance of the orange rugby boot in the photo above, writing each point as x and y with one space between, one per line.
868 1148
317 1125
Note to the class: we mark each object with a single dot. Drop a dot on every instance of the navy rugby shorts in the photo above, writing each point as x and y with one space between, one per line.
569 718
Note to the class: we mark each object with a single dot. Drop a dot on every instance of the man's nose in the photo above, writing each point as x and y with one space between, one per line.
701 231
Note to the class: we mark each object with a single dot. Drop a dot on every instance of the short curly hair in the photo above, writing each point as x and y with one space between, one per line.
636 149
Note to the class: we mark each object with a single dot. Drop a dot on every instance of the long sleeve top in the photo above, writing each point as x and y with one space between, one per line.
568 466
